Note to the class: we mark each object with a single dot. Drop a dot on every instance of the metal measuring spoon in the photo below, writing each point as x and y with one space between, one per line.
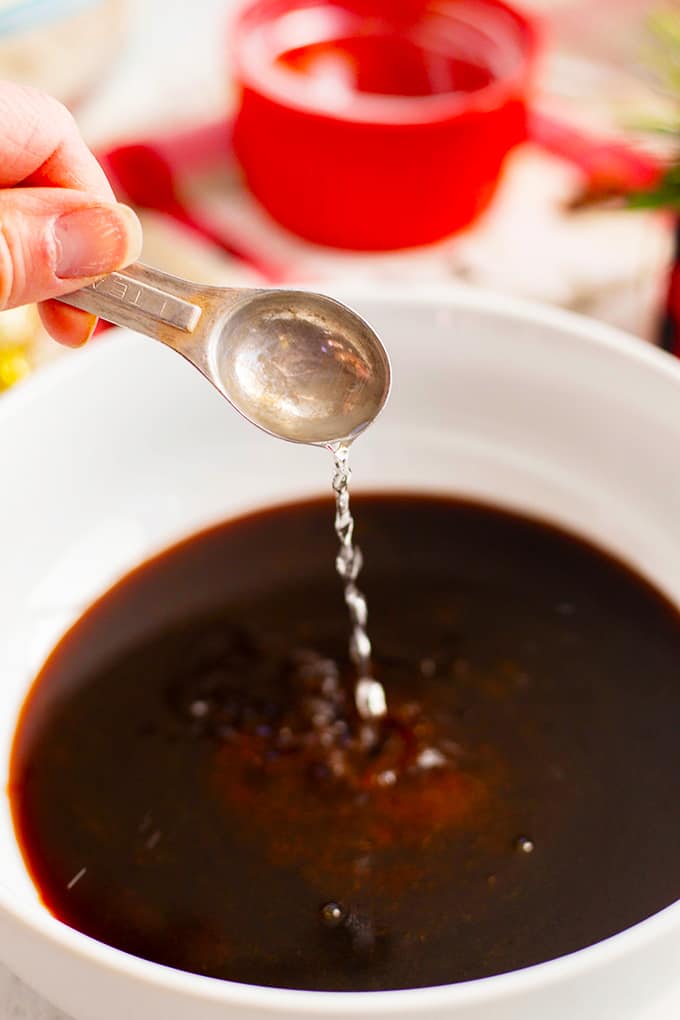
301 366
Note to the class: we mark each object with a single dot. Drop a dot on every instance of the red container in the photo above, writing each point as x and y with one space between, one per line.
379 124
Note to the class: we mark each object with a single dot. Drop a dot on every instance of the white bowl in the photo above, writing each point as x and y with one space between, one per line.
117 451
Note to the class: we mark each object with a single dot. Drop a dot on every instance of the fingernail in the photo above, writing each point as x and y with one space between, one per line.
95 240
90 326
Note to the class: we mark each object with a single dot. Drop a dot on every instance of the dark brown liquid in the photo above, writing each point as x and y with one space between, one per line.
190 783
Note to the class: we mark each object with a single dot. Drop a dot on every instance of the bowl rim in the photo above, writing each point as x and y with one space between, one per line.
279 86
579 332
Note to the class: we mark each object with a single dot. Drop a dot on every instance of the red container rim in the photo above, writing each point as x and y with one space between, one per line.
256 69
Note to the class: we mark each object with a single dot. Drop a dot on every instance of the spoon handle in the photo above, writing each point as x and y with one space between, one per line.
143 299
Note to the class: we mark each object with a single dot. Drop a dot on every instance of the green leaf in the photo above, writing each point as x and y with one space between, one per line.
666 195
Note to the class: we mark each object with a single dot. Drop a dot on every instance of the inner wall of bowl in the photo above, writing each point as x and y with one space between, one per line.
123 449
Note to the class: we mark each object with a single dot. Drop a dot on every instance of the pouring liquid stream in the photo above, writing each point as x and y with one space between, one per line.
369 694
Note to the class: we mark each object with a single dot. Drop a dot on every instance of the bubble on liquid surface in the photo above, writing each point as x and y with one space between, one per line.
525 845
302 366
333 914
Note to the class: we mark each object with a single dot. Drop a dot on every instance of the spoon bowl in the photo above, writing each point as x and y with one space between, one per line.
301 366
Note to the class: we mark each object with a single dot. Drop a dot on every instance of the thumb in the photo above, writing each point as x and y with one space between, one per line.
54 240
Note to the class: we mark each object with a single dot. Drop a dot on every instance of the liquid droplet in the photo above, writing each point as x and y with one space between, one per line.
370 697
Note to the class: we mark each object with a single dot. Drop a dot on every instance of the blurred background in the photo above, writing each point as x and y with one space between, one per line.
529 149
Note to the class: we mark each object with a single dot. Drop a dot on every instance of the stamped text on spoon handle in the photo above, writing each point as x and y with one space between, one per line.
118 290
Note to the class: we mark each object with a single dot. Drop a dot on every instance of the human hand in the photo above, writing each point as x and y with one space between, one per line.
60 225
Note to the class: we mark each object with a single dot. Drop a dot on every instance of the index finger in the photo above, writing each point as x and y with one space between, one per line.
41 145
